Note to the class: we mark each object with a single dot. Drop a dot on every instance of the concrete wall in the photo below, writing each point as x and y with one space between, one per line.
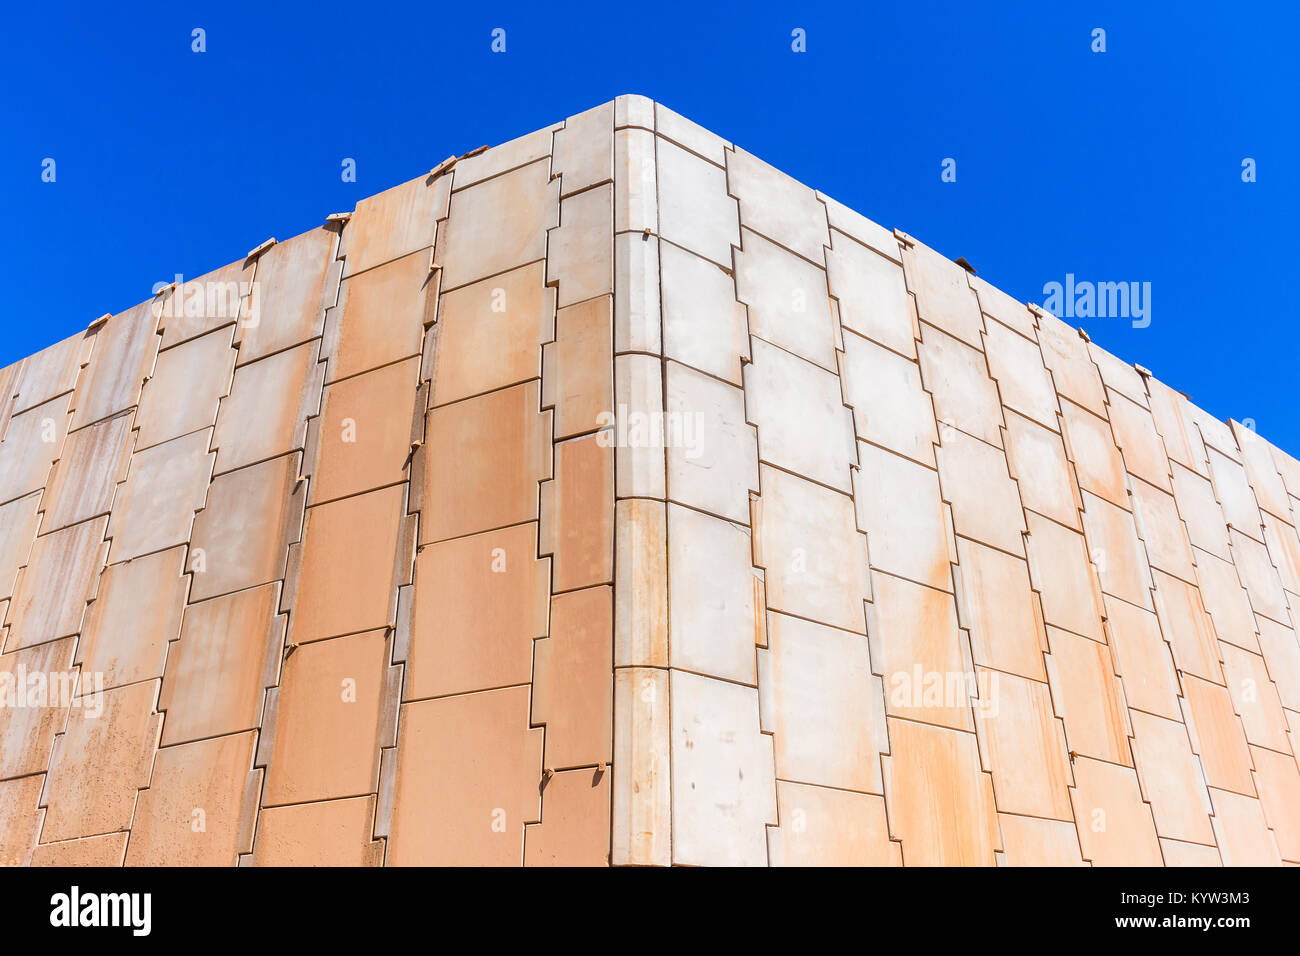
609 496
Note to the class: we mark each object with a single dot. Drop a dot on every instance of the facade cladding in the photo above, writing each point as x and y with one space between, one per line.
610 497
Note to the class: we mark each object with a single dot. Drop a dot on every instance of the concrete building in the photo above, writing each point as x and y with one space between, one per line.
609 496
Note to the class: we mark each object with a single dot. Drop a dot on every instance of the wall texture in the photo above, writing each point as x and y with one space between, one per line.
609 496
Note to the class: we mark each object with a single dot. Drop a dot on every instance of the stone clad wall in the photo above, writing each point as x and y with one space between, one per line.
609 496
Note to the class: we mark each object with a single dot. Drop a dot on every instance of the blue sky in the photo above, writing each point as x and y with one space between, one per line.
1122 166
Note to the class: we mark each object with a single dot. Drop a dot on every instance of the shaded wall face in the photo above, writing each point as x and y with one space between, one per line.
611 496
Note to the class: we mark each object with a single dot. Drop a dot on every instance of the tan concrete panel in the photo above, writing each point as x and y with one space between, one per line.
1171 779
695 210
498 224
965 397
502 158
104 850
872 295
643 812
890 407
1036 459
187 383
580 251
32 443
777 206
713 462
329 833
1262 472
1025 746
1142 659
1226 601
290 297
985 500
82 482
1260 577
1187 627
1279 791
1217 736
1162 531
641 572
266 411
998 607
996 304
53 371
165 486
578 369
944 297
584 149
573 693
1255 698
1284 547
1119 376
898 503
1166 409
1282 656
1066 354
33 708
1178 853
703 324
580 526
1116 552
480 602
122 355
18 521
1243 836
685 133
210 302
1023 380
825 827
1091 447
1033 842
53 589
859 227
1114 824
20 819
381 316
787 299
1139 442
395 222
1088 697
575 822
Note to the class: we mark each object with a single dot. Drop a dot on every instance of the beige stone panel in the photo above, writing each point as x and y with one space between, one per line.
1217 736
101 760
1142 659
1242 834
1023 380
187 383
890 407
380 316
289 297
703 324
1178 853
573 692
1282 656
1214 433
1091 447
641 573
82 482
251 516
365 432
31 714
643 821
575 822
327 724
985 500
636 205
212 301
580 252
53 371
266 412
996 604
1262 472
1235 495
480 602
1088 697
940 802
122 354
964 396
687 134
584 149
723 790
828 712
640 462
1288 468
20 819
1279 792
1066 355
1199 509
1114 825
1061 573
349 554
713 461
695 210
1166 409
53 589
32 443
1162 531
502 158
498 224
483 459
1011 312
636 298
135 615
164 488
1033 842
916 645
787 299
18 521
217 673
490 333
777 206
715 601
898 504
468 776
395 222
1226 601
1187 627
825 827
580 527
578 369
872 295
944 297
1284 547
1116 552
1254 697
1024 745
104 850
329 833
1119 376
803 425
859 227
1036 458
1171 779
1260 577
192 811
1135 433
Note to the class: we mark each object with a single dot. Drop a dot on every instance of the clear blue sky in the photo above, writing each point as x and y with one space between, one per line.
1122 166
